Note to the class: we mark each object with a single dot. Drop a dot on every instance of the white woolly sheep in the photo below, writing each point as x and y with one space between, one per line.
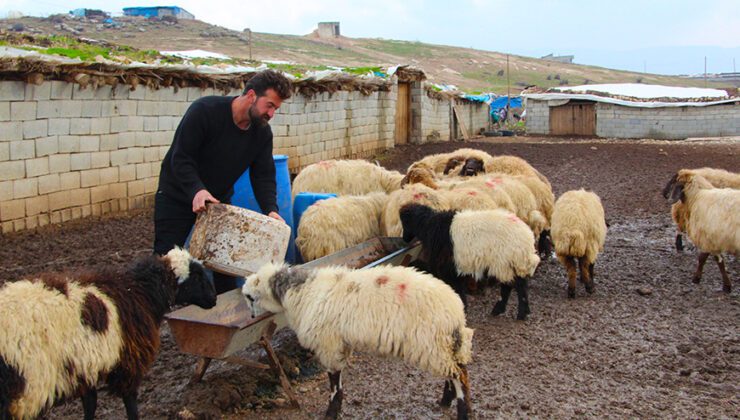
390 224
513 165
62 334
713 219
337 223
719 178
578 232
388 311
482 244
444 163
346 177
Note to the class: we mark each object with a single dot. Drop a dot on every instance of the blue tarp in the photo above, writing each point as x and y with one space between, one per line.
500 102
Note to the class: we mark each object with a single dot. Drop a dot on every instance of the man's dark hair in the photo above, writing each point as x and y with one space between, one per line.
270 79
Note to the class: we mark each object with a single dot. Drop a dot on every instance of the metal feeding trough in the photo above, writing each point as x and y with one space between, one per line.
228 327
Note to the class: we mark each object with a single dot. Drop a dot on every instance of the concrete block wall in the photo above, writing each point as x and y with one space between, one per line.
435 120
333 126
68 153
614 121
437 114
538 117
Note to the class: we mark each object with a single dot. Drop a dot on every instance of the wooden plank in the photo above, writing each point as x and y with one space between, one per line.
464 130
584 119
403 113
561 120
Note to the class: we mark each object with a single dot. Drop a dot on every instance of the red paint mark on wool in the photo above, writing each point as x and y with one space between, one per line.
473 193
419 196
493 182
381 280
514 219
326 164
402 292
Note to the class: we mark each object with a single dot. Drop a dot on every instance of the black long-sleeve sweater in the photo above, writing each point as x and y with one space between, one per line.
209 151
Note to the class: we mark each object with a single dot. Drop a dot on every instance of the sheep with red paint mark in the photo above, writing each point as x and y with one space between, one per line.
63 334
346 177
482 244
388 311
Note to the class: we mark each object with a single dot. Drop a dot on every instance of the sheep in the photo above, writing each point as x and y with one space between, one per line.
333 224
545 200
385 310
713 223
61 334
719 178
390 224
482 184
513 165
450 162
523 201
490 243
578 232
420 173
346 177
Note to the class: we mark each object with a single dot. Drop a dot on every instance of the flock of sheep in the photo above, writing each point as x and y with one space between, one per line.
477 217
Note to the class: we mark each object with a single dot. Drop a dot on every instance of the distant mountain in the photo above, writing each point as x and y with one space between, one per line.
468 69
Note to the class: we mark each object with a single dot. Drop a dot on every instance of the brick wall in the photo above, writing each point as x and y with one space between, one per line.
538 117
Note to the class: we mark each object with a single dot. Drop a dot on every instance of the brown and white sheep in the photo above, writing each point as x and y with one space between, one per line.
578 233
62 334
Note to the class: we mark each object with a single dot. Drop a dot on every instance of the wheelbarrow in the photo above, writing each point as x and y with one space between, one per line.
228 327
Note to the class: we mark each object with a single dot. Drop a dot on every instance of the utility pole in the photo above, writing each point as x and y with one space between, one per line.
508 90
250 44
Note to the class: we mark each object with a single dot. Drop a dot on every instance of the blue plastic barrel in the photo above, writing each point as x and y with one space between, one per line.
300 203
244 197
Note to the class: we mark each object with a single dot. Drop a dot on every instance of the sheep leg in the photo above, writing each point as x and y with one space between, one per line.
500 306
570 267
726 285
462 392
448 394
90 403
522 293
544 245
132 408
679 242
335 402
586 270
700 268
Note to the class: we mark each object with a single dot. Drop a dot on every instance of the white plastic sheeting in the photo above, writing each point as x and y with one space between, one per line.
642 91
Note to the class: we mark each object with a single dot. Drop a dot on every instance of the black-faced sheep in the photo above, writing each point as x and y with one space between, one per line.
719 178
346 177
388 311
482 244
61 334
578 233
713 219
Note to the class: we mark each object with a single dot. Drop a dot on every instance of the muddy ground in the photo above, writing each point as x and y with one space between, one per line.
672 353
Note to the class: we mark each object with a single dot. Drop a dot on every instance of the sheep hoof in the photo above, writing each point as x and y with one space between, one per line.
727 288
590 288
521 316
498 309
571 293
462 411
696 279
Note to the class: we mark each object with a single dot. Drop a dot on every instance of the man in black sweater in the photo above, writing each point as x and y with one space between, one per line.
217 140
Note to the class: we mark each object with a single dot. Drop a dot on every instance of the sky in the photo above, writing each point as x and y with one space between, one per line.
656 36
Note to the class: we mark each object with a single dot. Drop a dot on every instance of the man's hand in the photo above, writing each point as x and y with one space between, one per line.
275 216
200 200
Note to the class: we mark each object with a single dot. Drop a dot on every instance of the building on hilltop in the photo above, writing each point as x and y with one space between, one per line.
158 12
328 29
568 59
